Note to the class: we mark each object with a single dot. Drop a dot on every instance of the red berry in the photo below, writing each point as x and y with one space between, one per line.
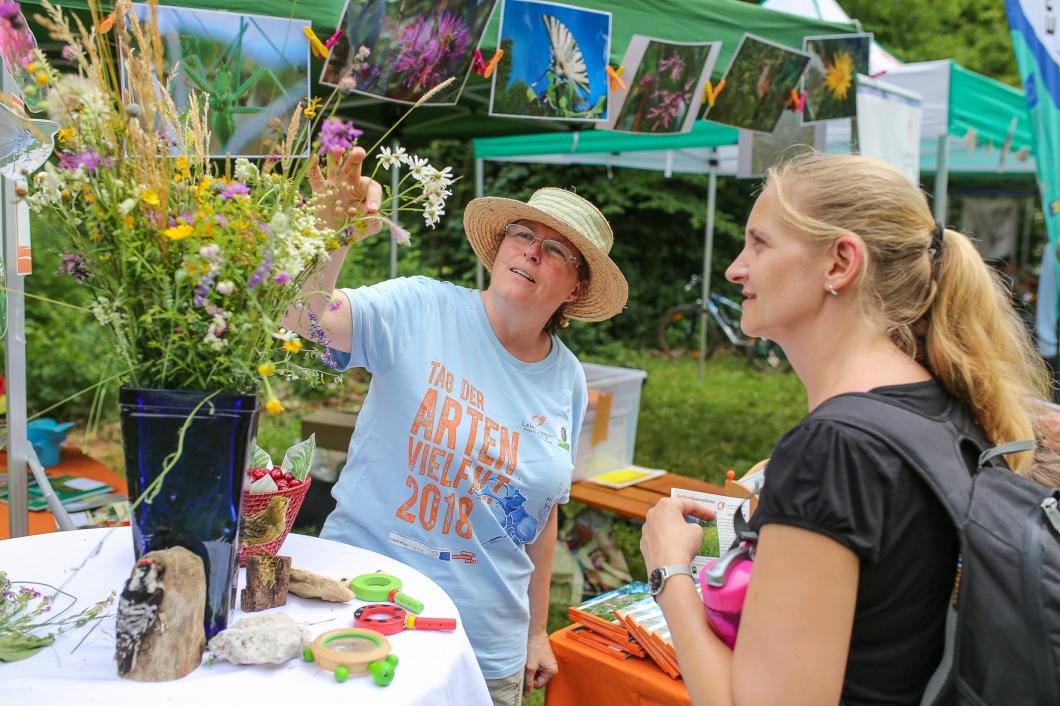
276 473
293 483
281 484
288 477
257 473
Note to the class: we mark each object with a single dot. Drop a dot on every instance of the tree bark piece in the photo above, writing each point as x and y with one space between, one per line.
309 585
160 634
267 581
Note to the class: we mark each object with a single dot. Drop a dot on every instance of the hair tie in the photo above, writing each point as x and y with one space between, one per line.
936 240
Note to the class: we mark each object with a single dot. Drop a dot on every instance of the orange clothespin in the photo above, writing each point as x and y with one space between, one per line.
107 22
319 50
614 78
334 39
492 63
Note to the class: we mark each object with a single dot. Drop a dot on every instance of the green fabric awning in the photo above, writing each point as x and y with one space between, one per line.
980 103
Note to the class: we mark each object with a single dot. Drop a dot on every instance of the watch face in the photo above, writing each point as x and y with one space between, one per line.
655 581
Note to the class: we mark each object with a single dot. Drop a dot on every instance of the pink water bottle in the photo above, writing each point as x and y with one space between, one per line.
724 582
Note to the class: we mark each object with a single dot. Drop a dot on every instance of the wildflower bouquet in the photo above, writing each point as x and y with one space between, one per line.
192 263
25 612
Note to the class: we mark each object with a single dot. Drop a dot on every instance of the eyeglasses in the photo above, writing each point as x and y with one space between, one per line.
552 251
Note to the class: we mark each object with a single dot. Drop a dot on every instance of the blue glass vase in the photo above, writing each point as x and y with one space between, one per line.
198 504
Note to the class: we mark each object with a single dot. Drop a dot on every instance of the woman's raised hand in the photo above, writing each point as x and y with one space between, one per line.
667 538
348 197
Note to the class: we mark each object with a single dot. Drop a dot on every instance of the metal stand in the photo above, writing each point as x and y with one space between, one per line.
708 256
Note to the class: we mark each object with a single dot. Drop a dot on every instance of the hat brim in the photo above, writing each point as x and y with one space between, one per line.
484 222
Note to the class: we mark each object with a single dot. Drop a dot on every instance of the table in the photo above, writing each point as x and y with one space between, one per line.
435 668
73 462
634 501
588 676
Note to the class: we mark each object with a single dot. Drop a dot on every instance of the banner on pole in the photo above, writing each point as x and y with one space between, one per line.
888 125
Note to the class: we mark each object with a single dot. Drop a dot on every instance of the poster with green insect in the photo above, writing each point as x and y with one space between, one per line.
758 85
662 85
255 69
554 64
398 51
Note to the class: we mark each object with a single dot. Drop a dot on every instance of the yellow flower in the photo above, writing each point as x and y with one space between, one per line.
839 75
178 232
292 346
128 221
66 135
42 78
310 110
266 369
273 406
150 197
203 186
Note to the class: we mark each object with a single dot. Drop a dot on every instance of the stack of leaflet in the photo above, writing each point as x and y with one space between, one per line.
597 626
74 492
645 622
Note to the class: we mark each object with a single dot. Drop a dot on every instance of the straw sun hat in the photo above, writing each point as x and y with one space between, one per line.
578 220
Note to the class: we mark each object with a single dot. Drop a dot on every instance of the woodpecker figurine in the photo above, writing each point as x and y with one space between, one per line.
137 612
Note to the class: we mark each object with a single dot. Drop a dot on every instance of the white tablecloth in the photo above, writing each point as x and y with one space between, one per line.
435 667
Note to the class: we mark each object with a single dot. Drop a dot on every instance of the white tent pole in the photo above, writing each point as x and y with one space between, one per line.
395 203
942 178
708 254
480 168
15 363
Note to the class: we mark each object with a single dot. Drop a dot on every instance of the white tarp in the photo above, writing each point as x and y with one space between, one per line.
889 125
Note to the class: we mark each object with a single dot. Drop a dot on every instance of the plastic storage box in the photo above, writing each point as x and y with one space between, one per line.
609 430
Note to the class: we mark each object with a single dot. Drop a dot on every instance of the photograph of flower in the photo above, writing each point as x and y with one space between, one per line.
835 62
254 68
400 50
758 85
554 64
664 85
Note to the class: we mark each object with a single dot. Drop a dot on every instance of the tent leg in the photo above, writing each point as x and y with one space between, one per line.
480 168
395 203
708 254
15 367
942 178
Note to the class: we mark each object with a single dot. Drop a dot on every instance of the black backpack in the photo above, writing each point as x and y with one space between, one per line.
1003 624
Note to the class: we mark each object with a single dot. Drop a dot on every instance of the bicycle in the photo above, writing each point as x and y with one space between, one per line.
679 324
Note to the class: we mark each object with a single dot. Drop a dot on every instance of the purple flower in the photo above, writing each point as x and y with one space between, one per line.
236 188
674 64
90 160
263 269
69 52
73 264
319 335
337 135
282 278
28 592
430 47
335 304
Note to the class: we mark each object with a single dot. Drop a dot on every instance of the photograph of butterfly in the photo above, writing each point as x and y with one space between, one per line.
835 61
400 50
255 69
664 84
758 85
554 63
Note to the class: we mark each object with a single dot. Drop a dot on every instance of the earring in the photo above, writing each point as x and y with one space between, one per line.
830 288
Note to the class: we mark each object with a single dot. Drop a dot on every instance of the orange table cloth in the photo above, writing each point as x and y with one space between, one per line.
71 462
588 676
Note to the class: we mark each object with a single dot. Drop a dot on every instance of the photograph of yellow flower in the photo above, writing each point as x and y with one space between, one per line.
757 85
830 80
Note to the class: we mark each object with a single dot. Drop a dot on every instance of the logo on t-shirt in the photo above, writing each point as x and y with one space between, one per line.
562 438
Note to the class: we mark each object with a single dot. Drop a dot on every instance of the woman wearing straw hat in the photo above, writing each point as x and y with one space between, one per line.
466 439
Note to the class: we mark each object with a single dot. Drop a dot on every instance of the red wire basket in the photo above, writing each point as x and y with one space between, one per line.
256 502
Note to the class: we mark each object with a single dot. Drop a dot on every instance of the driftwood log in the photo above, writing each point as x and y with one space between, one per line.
267 580
159 634
310 585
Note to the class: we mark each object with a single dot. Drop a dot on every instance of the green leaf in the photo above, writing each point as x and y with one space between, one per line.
531 97
261 458
16 647
299 457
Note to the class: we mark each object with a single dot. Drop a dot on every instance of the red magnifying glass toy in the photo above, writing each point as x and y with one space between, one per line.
390 619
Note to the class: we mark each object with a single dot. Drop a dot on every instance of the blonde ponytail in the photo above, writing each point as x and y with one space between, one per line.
941 304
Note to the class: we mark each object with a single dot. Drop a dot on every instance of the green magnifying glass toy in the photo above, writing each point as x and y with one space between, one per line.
378 587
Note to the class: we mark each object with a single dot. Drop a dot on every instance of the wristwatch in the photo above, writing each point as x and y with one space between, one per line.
657 578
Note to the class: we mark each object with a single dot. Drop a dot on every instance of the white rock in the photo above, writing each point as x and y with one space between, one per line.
261 639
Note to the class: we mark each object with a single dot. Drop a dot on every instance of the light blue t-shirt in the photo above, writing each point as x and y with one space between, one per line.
459 455
1045 321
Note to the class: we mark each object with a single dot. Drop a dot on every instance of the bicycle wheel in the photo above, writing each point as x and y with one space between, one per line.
677 332
767 356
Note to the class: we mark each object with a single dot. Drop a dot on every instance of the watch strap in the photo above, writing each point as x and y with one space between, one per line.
666 572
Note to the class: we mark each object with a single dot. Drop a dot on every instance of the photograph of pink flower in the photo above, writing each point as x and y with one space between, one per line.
664 84
400 50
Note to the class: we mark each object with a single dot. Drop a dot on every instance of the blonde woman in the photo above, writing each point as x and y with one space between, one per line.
846 269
